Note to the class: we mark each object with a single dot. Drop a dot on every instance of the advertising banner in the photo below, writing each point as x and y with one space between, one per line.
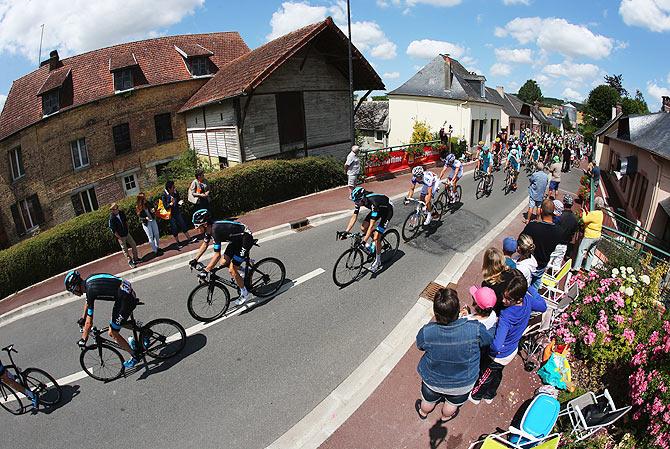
381 162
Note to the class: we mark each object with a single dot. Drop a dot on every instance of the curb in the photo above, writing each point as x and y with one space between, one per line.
324 419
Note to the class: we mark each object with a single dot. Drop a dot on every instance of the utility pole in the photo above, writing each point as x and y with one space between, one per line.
39 55
351 81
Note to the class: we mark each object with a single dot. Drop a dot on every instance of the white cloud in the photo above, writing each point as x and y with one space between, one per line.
467 61
621 45
516 2
387 3
75 26
3 97
544 81
500 69
656 91
391 75
518 55
570 70
366 35
447 3
651 14
668 79
428 49
558 35
571 94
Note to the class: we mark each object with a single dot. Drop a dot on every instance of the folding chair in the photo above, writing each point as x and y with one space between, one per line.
498 441
550 283
582 427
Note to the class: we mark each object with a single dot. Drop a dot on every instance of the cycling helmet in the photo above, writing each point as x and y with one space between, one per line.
497 139
200 217
72 280
357 194
557 159
417 172
513 152
450 159
486 148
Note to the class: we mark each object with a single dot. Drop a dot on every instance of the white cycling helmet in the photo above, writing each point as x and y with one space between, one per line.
417 172
513 152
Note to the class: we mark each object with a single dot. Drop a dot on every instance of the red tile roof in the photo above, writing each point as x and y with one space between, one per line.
121 61
194 49
56 79
245 73
158 59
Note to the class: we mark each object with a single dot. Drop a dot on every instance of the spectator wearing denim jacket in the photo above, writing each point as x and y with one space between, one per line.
450 366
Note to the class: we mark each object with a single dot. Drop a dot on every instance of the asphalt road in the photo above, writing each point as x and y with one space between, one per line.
243 382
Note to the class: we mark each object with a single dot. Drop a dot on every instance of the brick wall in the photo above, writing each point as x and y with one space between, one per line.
47 159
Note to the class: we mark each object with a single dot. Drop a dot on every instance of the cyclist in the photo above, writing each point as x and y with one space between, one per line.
486 159
8 378
478 155
240 239
105 287
375 222
450 161
535 156
429 187
514 164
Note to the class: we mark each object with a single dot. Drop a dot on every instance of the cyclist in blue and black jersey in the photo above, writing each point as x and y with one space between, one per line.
486 159
105 287
375 222
240 239
514 164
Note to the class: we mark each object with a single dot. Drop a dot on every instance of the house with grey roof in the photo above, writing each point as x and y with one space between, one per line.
515 114
635 162
444 93
371 122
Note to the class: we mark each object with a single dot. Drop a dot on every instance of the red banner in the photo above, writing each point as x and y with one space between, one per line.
397 160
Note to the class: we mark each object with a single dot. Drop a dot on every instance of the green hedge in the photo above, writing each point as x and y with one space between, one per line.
234 190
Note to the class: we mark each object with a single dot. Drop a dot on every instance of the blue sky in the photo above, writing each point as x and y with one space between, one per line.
566 45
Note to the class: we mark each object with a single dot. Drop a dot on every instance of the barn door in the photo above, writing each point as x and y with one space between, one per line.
291 120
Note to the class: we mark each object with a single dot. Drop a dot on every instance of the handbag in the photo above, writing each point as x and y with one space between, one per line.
161 212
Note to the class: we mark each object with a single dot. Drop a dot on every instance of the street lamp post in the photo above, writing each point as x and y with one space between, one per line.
351 81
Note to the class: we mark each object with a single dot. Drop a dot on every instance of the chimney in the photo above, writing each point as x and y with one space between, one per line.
53 61
613 112
618 108
501 91
447 72
665 104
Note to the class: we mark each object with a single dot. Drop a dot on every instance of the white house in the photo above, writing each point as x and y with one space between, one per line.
444 93
515 114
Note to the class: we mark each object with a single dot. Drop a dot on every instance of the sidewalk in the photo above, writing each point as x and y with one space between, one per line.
325 202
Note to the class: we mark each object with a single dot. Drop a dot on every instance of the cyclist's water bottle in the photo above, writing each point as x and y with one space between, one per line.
131 343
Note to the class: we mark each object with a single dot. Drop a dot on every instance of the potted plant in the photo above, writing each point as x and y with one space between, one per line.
413 152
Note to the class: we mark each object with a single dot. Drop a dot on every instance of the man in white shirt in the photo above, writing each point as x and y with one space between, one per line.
352 167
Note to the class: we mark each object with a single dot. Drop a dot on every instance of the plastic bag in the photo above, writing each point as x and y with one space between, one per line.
161 212
557 372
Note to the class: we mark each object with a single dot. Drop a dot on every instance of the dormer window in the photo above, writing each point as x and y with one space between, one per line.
198 65
482 90
50 102
126 71
56 92
196 57
123 80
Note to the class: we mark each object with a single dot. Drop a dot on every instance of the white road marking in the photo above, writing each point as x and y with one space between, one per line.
201 326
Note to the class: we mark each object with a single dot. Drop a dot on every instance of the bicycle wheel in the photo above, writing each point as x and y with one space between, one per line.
348 267
102 362
475 174
266 277
9 400
209 301
167 338
480 189
411 226
440 204
390 243
458 194
489 185
42 383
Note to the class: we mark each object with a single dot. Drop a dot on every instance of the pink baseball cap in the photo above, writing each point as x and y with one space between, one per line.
484 297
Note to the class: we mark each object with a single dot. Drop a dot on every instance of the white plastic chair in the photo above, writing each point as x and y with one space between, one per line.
581 427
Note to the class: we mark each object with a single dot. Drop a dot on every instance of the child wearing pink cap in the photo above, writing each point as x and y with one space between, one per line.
483 301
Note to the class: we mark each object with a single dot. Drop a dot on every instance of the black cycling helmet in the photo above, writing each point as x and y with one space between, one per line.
72 280
200 217
357 194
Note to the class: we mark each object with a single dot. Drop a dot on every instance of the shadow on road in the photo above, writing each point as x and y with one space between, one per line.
258 302
194 343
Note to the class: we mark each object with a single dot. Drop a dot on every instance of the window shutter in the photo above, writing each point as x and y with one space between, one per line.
76 204
18 222
39 213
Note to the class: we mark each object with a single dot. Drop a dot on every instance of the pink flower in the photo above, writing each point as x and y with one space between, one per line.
629 335
618 319
589 338
653 338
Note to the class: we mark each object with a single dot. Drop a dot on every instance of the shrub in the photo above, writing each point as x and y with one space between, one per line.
234 190
420 132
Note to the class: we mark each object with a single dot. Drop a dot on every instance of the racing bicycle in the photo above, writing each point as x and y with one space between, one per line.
349 265
416 218
210 299
449 196
160 339
38 381
509 179
485 185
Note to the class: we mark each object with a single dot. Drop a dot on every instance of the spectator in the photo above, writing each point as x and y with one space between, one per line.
545 236
483 302
558 211
536 189
147 216
568 224
526 263
555 170
593 172
198 191
119 226
520 301
495 274
509 248
173 204
567 156
352 167
593 225
450 364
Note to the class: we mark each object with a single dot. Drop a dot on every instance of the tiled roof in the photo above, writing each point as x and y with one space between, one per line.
372 115
121 61
190 49
159 61
649 131
244 74
55 79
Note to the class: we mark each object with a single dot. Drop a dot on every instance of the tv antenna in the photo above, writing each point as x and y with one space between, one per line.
39 56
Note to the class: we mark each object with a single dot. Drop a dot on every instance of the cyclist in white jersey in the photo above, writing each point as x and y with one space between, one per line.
429 186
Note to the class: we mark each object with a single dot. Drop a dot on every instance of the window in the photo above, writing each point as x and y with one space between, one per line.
163 124
481 130
84 201
16 163
27 214
223 162
379 136
641 195
130 185
199 65
473 124
121 138
50 102
123 80
160 169
79 153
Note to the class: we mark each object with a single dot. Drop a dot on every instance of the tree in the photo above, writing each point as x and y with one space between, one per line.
421 132
567 124
635 105
598 106
530 92
616 81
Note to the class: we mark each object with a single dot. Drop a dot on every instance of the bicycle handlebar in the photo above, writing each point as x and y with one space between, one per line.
9 349
415 201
